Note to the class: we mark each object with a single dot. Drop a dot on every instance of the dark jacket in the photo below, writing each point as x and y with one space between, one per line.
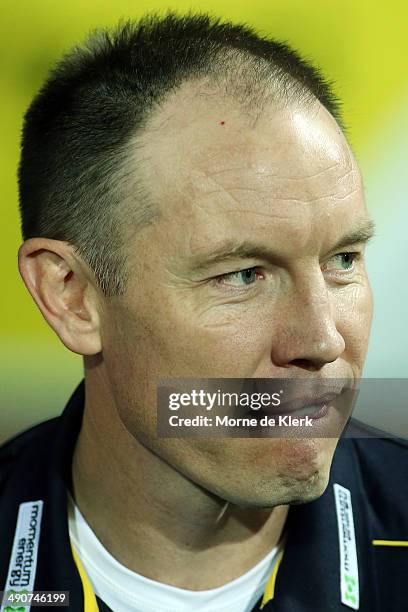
36 466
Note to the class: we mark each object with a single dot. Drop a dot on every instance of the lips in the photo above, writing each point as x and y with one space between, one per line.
299 403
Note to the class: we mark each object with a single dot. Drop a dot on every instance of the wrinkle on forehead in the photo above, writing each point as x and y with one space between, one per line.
290 155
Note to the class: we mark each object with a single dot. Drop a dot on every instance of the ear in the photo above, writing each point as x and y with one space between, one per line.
64 290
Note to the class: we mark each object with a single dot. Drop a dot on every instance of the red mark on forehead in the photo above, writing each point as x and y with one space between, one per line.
222 122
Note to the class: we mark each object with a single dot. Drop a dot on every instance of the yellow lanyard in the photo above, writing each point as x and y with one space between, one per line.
270 587
90 604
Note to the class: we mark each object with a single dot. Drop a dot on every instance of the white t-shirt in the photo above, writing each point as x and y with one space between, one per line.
126 591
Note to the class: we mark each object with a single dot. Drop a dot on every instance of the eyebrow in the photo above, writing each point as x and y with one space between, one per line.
247 249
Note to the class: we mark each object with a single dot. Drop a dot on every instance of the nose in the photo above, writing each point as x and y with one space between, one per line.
307 336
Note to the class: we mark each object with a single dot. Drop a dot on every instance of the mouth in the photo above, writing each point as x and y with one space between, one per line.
307 406
312 407
317 410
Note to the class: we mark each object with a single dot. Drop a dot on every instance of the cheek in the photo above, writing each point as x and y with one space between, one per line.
225 344
354 316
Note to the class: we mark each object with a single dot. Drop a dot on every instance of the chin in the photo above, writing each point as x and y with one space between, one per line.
290 490
298 475
304 475
305 492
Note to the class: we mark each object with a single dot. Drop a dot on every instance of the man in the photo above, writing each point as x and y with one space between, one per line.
191 208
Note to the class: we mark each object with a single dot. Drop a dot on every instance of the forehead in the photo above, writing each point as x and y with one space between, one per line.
208 161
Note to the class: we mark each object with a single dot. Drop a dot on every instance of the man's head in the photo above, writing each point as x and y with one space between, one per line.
76 177
222 226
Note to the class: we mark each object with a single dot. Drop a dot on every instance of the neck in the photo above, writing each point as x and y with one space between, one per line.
153 519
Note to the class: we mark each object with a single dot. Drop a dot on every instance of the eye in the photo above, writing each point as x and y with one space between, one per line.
241 278
343 262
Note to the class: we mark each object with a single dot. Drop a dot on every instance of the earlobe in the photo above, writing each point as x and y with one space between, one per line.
63 291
